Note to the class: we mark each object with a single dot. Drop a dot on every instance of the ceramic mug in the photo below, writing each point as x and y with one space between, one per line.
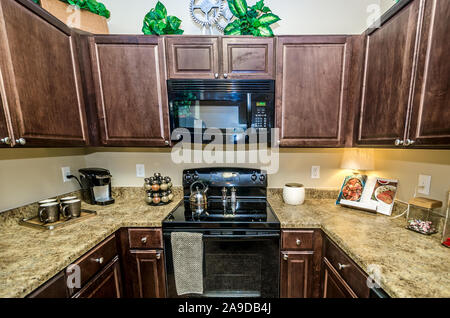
68 199
294 193
47 201
49 212
71 209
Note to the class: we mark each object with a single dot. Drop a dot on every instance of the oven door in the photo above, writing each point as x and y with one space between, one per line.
236 263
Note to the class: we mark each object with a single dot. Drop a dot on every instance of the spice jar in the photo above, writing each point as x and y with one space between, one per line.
147 184
164 186
164 197
156 198
155 186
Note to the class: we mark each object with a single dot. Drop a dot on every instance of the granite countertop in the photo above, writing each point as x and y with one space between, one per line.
412 265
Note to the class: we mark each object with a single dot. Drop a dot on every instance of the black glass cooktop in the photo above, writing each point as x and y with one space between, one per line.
245 213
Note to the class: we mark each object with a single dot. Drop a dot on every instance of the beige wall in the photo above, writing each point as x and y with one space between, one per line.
29 175
298 16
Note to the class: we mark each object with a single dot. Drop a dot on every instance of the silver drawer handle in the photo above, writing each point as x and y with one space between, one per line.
409 142
285 257
144 240
5 141
216 76
225 75
398 142
21 141
342 266
298 242
99 260
158 256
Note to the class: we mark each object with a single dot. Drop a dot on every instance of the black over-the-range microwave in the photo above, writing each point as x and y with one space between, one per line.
235 108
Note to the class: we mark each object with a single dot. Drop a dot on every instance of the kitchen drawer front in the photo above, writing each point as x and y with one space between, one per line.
145 238
347 269
95 260
297 240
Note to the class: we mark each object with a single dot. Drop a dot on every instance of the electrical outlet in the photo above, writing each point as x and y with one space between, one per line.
315 172
140 171
65 172
424 184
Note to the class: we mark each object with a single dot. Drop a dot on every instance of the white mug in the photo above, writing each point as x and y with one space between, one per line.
294 193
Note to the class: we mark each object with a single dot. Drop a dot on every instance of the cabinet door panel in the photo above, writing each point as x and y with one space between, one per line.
296 274
193 57
149 274
248 58
387 79
106 284
42 80
430 121
312 90
131 92
333 285
56 287
4 133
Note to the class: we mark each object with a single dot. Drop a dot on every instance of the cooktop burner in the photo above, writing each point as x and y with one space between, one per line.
248 213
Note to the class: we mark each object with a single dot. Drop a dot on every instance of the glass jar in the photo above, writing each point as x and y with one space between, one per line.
425 216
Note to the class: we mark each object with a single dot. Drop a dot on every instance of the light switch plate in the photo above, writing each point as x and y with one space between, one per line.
65 172
140 171
315 172
424 184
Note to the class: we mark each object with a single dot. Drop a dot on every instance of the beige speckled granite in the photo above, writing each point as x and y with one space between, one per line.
412 265
29 257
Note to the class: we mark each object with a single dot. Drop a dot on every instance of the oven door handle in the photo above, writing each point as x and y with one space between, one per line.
263 236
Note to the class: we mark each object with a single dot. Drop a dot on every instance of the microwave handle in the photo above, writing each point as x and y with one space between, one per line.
249 110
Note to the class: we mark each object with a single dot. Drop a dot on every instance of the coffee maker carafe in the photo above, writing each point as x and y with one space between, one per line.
96 186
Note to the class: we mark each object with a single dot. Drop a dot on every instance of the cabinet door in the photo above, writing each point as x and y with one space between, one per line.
296 274
148 274
130 89
430 121
387 79
40 70
5 137
248 58
311 101
193 57
333 284
54 288
107 284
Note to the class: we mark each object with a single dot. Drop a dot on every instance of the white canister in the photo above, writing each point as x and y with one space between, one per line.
294 193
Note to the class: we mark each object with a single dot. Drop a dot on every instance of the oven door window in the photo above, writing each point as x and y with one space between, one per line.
221 113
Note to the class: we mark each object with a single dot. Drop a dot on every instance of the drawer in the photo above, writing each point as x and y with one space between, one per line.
95 260
297 240
145 238
347 269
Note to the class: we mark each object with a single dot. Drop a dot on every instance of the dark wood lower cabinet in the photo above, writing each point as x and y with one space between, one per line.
106 284
56 287
147 274
334 285
296 274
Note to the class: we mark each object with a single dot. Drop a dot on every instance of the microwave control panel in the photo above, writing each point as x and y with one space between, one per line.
261 116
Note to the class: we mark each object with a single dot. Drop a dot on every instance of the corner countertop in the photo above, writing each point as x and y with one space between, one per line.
412 265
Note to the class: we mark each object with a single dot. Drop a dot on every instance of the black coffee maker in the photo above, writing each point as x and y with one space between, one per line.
96 186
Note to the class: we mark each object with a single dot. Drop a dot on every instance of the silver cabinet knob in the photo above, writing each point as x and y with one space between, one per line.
216 76
342 266
285 257
409 142
398 142
225 75
21 141
298 242
5 141
144 240
158 256
166 142
99 260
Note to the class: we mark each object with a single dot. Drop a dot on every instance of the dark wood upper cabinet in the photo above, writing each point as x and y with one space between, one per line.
430 120
387 80
42 86
193 57
130 88
148 274
311 93
248 58
296 274
5 137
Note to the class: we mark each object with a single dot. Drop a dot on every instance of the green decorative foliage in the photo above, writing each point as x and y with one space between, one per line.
254 20
36 1
157 22
90 5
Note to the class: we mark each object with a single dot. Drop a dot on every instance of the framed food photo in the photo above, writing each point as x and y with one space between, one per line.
352 188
